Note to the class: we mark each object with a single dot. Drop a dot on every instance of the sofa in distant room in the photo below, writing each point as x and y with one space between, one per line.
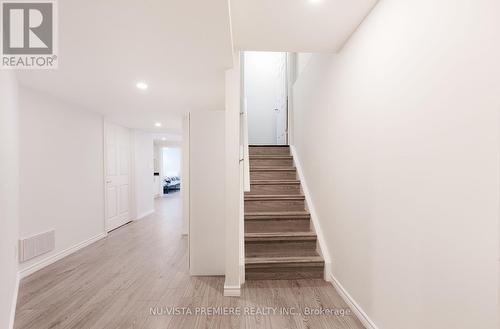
172 183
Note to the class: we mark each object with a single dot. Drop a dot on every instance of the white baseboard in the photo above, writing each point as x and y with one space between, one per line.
14 302
353 305
362 316
232 291
57 256
327 272
314 216
147 213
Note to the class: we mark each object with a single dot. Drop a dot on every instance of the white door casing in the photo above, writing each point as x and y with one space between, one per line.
281 101
117 176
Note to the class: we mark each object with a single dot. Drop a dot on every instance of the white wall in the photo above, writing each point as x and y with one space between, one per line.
9 188
261 82
398 138
301 62
143 173
207 193
61 172
172 158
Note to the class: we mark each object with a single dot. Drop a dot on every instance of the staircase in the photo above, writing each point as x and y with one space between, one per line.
279 242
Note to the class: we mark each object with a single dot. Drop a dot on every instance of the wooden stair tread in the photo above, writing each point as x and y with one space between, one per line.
278 215
280 236
283 260
270 156
275 182
259 197
272 168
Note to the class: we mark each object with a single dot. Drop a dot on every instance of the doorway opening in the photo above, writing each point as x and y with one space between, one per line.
265 87
171 169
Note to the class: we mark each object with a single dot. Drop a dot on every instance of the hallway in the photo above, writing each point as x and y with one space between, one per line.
143 266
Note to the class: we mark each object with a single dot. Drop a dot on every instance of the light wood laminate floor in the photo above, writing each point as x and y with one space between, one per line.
143 266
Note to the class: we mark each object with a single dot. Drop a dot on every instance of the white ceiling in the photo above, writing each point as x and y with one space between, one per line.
296 25
180 48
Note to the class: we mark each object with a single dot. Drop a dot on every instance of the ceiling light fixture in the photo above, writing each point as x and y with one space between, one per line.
142 85
158 124
163 139
315 1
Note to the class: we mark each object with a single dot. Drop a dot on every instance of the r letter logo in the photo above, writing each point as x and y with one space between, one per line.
28 35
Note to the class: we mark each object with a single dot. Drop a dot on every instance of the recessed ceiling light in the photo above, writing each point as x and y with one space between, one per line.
163 139
142 85
315 1
158 124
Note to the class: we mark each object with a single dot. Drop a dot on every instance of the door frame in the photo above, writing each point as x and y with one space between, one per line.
287 99
291 68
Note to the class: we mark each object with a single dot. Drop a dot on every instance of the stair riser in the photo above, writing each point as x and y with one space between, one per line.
282 225
291 189
271 162
284 273
293 248
274 205
269 150
272 175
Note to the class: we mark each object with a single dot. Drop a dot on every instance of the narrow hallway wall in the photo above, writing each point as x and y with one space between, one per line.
61 174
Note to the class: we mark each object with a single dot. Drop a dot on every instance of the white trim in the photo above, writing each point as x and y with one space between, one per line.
185 172
232 291
105 221
147 213
353 305
14 302
57 256
291 77
314 217
242 273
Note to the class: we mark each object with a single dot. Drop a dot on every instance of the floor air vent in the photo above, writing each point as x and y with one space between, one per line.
36 245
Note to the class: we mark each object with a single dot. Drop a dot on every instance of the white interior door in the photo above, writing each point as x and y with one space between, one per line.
117 176
266 96
281 101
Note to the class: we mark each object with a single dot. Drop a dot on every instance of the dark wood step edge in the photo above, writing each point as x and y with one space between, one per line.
272 168
287 215
275 182
270 156
283 260
275 197
280 236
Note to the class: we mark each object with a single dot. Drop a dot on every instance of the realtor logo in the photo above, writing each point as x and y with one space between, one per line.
28 35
